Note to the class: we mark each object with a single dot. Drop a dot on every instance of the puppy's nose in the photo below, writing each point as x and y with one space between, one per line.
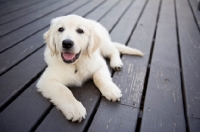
67 44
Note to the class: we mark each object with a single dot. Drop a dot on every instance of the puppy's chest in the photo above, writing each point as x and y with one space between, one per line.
79 75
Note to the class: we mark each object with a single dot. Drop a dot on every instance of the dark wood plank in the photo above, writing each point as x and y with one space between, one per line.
16 79
127 22
88 95
24 112
189 38
122 119
6 3
25 11
35 26
115 14
102 10
163 107
131 78
18 23
16 54
195 5
86 9
17 6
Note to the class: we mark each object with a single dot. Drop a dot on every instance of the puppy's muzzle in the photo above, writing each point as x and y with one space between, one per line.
67 44
68 54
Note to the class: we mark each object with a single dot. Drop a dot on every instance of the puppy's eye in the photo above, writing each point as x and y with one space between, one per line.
61 29
80 31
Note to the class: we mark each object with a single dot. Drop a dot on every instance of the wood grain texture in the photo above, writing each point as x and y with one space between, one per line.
24 11
88 95
122 119
131 78
190 51
35 26
163 109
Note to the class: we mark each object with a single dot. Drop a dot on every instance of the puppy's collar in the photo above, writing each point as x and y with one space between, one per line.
76 69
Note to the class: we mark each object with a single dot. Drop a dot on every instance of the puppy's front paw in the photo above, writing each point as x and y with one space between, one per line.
116 64
74 111
112 93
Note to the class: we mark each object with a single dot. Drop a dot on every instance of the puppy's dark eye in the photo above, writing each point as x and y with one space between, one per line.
61 29
80 31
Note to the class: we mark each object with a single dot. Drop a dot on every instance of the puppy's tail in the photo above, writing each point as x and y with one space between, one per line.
127 50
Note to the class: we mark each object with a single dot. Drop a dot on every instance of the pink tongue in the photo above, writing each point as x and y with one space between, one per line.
68 56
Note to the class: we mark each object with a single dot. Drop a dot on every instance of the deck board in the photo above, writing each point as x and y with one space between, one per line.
163 108
131 79
114 15
17 6
25 11
31 103
189 38
118 121
160 90
13 25
6 3
24 72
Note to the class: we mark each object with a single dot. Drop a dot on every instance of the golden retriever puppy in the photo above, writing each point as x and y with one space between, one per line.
75 52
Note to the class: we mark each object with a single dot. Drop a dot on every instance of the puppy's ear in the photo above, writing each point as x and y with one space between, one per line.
49 39
94 42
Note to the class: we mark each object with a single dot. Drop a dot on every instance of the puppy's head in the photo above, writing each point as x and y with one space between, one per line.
71 36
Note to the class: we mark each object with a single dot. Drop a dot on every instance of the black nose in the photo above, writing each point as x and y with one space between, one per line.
67 44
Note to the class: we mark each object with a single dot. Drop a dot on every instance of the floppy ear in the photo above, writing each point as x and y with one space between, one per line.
94 42
49 36
49 39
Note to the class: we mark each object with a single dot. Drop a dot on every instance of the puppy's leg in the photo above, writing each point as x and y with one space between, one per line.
104 82
63 98
109 50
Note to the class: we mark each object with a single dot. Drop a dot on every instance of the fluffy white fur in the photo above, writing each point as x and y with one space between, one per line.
94 44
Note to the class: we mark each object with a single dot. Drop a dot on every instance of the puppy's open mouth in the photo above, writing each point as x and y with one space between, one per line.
70 57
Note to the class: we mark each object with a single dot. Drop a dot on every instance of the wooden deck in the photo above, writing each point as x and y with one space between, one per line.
161 91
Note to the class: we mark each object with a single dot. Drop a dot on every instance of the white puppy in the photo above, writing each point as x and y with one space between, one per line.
74 53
